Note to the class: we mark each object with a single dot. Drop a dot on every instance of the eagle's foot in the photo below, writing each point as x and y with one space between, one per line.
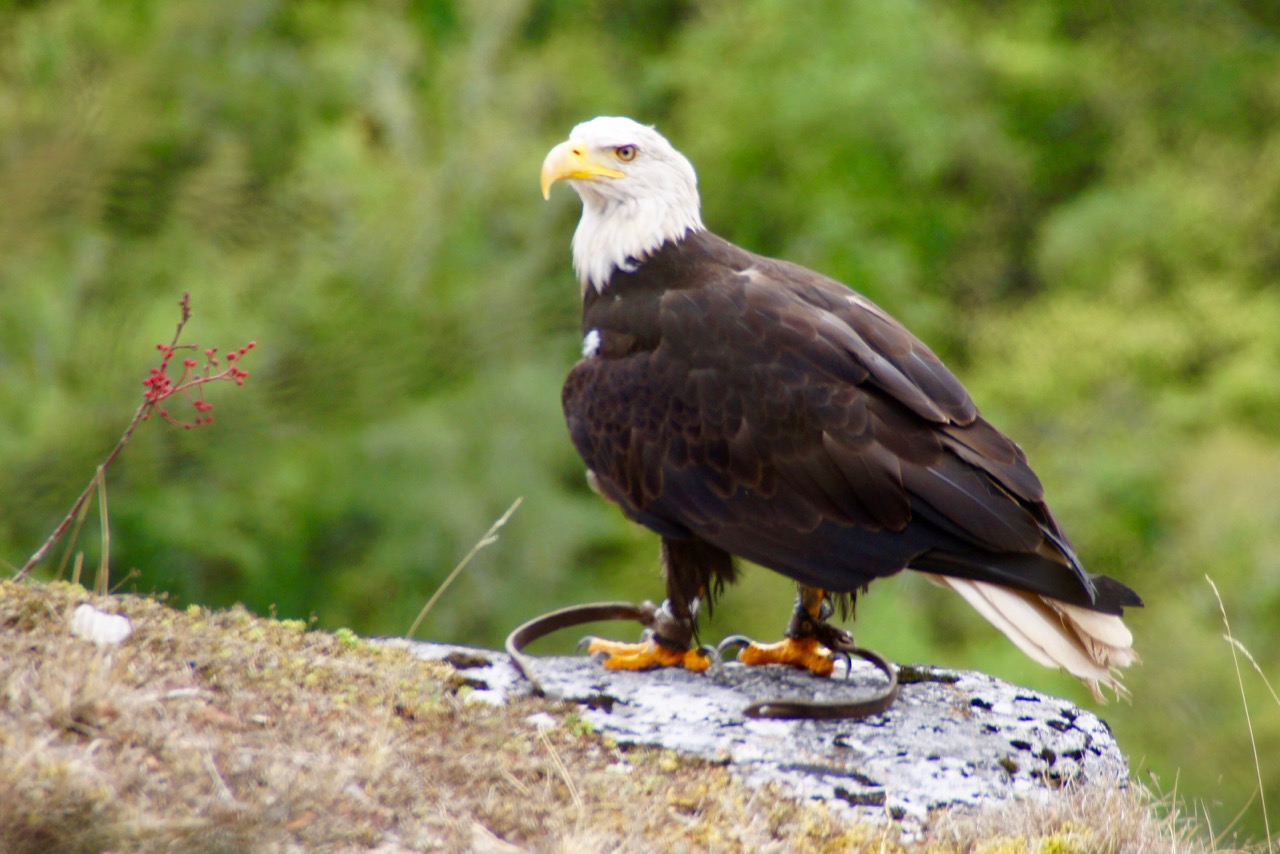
667 642
648 654
811 642
805 653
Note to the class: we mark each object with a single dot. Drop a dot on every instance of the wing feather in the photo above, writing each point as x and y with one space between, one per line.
873 476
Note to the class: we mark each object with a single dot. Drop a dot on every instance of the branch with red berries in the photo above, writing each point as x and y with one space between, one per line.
191 384
160 387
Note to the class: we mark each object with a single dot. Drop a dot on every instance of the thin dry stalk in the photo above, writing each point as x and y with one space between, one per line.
77 568
564 774
102 581
1254 662
71 543
490 537
1236 819
1244 700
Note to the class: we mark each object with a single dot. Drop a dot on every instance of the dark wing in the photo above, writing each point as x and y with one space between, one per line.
784 418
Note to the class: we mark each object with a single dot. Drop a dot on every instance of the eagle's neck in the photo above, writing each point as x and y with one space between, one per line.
618 234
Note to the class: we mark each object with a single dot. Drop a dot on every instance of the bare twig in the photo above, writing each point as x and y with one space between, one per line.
43 552
138 416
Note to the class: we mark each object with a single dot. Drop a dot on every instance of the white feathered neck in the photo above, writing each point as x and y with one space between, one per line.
624 220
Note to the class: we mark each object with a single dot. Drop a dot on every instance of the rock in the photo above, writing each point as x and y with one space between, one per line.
953 738
99 627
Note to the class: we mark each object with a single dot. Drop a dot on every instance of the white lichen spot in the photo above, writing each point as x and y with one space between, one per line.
88 623
487 698
591 344
541 720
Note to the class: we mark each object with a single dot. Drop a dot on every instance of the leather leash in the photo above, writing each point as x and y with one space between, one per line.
578 615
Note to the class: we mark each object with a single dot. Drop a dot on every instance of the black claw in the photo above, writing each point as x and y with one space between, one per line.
834 638
711 652
734 642
842 655
584 643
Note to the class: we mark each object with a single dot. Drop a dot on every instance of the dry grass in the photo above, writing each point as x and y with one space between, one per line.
212 732
1082 822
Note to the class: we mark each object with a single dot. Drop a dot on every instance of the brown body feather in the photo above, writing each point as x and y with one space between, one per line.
740 405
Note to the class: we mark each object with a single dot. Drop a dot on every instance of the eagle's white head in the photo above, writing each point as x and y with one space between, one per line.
637 193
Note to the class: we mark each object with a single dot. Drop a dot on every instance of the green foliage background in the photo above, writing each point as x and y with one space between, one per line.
1075 203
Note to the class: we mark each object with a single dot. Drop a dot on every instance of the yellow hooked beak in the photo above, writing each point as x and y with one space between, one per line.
571 160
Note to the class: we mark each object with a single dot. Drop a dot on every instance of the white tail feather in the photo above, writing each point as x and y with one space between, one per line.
1086 644
983 606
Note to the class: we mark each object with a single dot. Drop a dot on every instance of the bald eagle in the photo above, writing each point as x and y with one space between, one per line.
743 406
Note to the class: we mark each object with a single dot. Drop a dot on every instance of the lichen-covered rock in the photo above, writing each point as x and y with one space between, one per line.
953 738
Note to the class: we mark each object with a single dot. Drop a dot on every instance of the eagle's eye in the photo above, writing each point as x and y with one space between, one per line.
626 153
